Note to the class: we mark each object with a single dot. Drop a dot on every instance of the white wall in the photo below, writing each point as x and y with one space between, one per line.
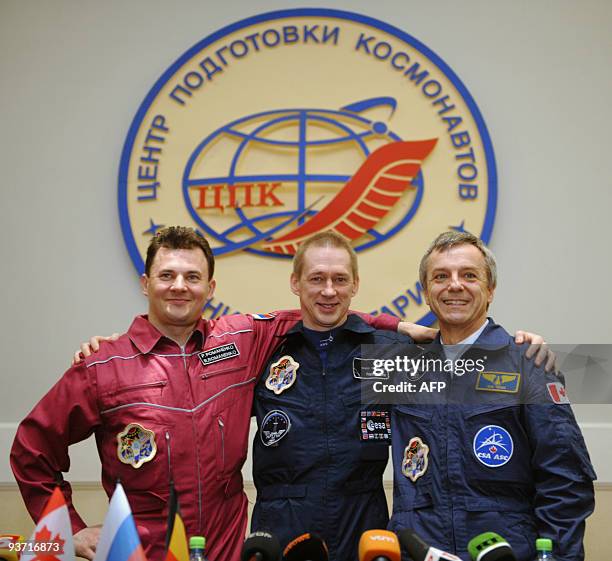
72 74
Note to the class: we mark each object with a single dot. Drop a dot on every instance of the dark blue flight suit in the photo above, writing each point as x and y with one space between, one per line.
318 473
502 456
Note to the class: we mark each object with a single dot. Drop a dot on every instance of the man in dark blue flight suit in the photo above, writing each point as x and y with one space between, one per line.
319 454
498 449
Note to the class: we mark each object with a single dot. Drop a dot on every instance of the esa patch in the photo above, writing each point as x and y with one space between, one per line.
283 374
375 425
503 382
558 393
493 446
416 459
216 354
274 427
136 445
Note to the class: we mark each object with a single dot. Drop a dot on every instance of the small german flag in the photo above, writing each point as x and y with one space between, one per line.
176 538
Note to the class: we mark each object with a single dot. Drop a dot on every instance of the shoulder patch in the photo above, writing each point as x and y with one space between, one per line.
263 316
558 393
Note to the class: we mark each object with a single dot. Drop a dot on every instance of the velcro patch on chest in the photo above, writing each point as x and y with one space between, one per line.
375 425
216 354
502 382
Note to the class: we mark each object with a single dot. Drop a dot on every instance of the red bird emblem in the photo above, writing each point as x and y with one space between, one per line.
366 198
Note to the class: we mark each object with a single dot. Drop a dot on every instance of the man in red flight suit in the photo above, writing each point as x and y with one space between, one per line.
171 398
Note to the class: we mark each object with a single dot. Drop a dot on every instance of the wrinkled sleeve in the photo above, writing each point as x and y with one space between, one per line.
67 414
563 474
269 335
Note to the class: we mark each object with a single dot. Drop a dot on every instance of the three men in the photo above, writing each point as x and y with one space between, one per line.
169 400
497 450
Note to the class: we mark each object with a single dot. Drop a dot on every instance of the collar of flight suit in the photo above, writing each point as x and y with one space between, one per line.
145 335
353 323
493 338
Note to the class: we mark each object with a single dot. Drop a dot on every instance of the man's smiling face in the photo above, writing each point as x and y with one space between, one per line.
325 286
458 290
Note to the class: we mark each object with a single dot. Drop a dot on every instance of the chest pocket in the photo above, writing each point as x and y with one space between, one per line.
413 420
150 391
222 385
499 449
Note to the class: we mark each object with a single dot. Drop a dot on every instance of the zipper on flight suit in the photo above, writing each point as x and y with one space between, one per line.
200 521
222 431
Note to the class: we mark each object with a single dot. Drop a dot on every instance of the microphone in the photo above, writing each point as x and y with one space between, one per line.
307 547
379 545
10 547
261 546
490 547
419 550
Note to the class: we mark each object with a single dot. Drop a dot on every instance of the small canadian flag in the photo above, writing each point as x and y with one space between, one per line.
557 392
52 537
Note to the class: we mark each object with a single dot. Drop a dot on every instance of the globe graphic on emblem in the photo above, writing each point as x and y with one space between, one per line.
256 178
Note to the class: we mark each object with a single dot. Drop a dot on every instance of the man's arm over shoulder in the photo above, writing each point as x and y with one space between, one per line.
388 322
268 330
65 415
562 469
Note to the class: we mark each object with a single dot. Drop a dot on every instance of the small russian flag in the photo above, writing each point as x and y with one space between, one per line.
264 316
119 539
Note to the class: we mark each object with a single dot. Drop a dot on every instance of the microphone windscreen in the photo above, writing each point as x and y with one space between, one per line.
413 543
490 547
307 547
375 544
261 546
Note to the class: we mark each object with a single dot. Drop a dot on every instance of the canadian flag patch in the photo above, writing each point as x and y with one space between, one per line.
557 392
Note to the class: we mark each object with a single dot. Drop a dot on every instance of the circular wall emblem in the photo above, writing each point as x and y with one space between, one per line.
294 122
493 446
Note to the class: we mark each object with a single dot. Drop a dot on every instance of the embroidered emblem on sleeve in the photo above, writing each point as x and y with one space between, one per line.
558 393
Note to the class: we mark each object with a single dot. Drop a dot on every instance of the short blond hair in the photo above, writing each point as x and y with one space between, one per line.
324 239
